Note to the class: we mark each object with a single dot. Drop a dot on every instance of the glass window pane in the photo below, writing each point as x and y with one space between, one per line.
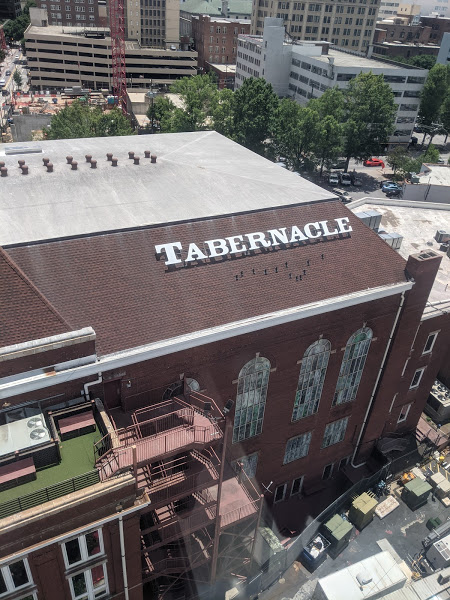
79 584
251 394
352 366
98 577
93 543
2 584
73 551
18 573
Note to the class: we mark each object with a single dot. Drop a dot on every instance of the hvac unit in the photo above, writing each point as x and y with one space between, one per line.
442 236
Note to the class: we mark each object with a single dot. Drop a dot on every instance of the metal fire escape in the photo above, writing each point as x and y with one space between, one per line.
117 28
201 523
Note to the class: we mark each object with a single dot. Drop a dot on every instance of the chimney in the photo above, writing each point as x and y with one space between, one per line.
225 9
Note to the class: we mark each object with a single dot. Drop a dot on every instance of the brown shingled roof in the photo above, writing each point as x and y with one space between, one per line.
25 314
114 283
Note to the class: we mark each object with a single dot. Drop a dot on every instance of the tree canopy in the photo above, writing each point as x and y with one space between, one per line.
79 120
14 29
424 61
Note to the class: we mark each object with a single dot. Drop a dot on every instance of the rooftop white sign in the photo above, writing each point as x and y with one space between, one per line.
236 244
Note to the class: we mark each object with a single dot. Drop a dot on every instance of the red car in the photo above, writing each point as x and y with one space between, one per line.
374 162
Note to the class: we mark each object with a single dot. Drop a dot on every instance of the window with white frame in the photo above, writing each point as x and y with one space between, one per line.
280 493
430 342
89 584
417 378
15 576
251 399
404 413
297 485
247 463
297 447
311 379
83 548
334 432
352 366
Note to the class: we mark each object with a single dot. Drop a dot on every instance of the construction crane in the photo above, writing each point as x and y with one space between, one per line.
2 40
117 27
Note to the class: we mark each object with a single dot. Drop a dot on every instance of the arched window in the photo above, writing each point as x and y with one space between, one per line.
311 378
251 399
352 366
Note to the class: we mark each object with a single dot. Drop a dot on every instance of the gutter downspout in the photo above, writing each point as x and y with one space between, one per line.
88 385
369 407
124 562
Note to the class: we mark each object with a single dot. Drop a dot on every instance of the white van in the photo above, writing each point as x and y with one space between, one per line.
2 82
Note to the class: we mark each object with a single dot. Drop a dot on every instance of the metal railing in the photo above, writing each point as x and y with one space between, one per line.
49 493
238 514
163 490
180 526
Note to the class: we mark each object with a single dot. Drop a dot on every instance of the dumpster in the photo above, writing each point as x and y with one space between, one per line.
314 554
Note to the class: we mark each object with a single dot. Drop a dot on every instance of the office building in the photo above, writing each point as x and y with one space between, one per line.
228 9
305 70
215 39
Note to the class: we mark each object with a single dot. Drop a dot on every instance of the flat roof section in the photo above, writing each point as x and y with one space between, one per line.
417 226
197 176
342 59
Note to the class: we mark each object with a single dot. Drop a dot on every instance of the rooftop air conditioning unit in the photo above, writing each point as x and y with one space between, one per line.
442 236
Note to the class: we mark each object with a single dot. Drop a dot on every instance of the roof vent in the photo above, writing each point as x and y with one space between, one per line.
136 159
49 167
45 161
38 434
93 164
35 422
74 165
147 153
109 156
3 171
21 163
24 169
130 154
69 159
153 158
114 161
88 158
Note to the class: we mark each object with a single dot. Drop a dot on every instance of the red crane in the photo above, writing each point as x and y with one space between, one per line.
2 40
117 27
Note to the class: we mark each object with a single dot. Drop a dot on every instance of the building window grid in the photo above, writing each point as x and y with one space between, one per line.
15 576
334 432
89 584
311 379
297 447
352 366
251 399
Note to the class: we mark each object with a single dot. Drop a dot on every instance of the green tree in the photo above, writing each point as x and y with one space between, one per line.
431 155
15 28
223 113
330 103
199 96
287 132
397 158
369 116
445 115
432 97
327 144
18 80
255 105
79 120
423 61
161 110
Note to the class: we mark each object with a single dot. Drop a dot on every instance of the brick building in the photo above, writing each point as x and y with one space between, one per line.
235 326
215 39
73 13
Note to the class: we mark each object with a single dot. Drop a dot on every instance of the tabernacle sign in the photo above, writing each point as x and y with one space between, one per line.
236 244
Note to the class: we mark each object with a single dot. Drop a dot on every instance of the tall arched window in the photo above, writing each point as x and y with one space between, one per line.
352 366
311 378
251 399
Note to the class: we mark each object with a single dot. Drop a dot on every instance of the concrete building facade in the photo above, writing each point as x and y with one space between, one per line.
348 24
59 59
215 39
305 70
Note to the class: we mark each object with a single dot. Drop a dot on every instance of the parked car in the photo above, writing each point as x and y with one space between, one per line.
333 179
8 72
2 82
343 196
339 164
441 161
374 162
392 189
385 183
345 178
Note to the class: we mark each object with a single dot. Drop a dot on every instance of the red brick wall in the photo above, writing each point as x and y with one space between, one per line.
201 32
